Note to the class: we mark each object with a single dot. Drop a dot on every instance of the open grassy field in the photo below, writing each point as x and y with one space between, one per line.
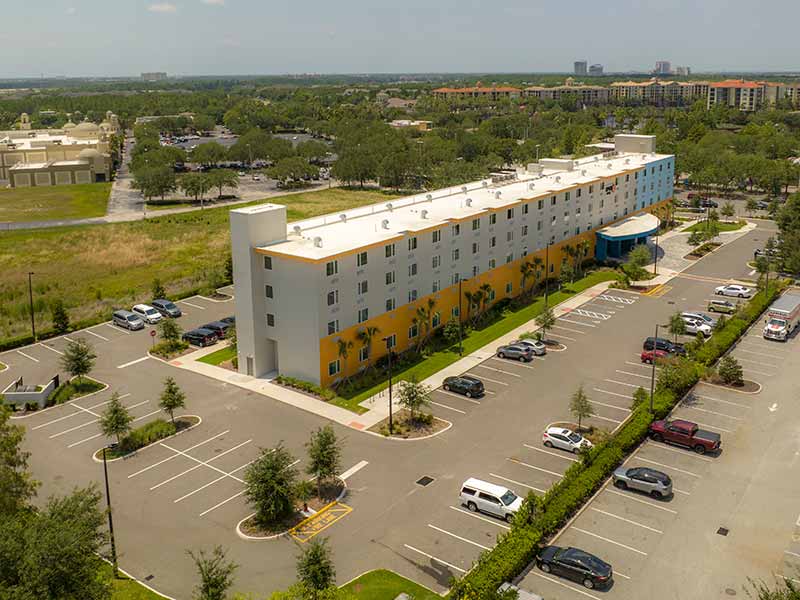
387 585
53 202
723 226
96 268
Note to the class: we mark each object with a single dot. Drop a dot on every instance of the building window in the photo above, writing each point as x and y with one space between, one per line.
413 331
436 261
474 270
412 269
363 315
455 254
492 263
333 297
538 226
591 189
436 319
476 224
553 201
268 263
566 196
390 304
391 341
363 287
332 267
436 236
627 177
361 259
333 327
540 204
412 244
509 258
578 193
270 320
390 278
268 291
509 287
412 295
491 295
363 353
454 312
454 278
436 286
455 230
509 236
553 220
525 209
510 213
333 368
524 230
493 242
389 250
492 218
475 247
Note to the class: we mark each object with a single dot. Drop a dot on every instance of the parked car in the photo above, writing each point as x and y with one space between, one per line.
200 337
695 326
763 252
685 433
515 352
229 320
762 205
721 306
539 349
166 308
218 327
577 565
643 479
147 313
738 291
471 387
565 439
256 177
708 203
648 356
489 498
127 319
663 344
698 316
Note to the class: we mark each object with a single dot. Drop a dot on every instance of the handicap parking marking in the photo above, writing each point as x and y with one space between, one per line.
591 314
458 537
608 540
484 519
319 521
564 585
438 560
525 485
616 299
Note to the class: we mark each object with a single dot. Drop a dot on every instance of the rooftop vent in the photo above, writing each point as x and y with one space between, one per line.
531 186
468 201
485 183
558 178
318 242
464 189
385 223
343 217
389 206
297 230
498 193
423 214
583 172
627 161
429 197
609 166
596 159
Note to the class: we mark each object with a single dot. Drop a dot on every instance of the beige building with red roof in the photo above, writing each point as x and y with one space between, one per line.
479 91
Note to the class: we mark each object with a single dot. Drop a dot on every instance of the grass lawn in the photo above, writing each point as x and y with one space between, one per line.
218 357
124 588
723 226
54 202
97 268
386 585
72 389
480 337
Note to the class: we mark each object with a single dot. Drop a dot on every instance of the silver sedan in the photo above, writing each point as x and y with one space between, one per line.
643 479
539 349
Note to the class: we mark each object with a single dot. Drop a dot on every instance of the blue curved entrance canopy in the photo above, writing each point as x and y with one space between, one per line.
616 240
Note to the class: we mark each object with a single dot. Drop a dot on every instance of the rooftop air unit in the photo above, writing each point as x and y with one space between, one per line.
385 223
297 230
464 189
318 242
468 201
343 217
389 206
423 214
498 193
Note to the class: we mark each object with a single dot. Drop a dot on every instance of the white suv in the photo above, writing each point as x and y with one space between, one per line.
565 439
693 326
147 313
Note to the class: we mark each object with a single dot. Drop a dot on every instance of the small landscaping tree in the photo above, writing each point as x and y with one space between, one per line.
451 330
78 359
170 331
728 210
271 485
233 344
640 396
751 206
730 371
60 316
721 322
172 398
115 420
546 320
216 574
567 274
580 407
324 455
414 396
677 326
696 238
315 570
158 290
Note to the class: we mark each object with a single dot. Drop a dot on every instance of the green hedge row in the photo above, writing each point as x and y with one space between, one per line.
306 386
146 434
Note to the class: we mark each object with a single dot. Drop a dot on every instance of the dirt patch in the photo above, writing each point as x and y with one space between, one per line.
406 428
747 387
554 345
701 251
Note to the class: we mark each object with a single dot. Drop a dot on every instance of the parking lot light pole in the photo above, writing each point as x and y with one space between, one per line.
655 265
30 299
653 372
389 348
460 334
110 519
546 271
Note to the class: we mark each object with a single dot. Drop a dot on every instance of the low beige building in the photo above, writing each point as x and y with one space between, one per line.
585 94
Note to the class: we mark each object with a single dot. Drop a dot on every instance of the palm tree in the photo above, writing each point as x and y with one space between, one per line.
366 336
424 317
470 298
538 265
583 251
487 292
477 298
344 348
526 269
572 253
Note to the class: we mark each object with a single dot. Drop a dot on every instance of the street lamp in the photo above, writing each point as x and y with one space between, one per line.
30 299
110 519
546 271
537 152
653 372
655 265
389 348
460 333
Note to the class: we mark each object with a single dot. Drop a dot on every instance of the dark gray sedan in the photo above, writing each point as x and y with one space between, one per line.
643 479
516 352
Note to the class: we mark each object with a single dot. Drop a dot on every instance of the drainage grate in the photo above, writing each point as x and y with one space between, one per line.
423 481
149 577
722 531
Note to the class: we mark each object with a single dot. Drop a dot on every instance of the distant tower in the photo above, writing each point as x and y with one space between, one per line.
24 121
580 68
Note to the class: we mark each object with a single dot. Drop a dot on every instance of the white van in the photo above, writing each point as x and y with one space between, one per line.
489 498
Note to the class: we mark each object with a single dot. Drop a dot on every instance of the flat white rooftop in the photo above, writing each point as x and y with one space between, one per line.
31 143
329 235
635 225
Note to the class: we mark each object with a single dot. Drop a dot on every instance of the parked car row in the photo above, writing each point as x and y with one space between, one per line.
141 314
210 333
522 350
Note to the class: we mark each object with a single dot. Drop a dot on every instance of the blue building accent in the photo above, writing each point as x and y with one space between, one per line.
615 241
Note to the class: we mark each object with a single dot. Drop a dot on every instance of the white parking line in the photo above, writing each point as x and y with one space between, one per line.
613 516
525 485
712 412
211 439
192 305
640 364
511 362
649 444
790 553
723 401
612 393
565 337
564 585
663 466
758 353
210 483
788 578
216 506
568 329
640 501
600 537
97 435
60 433
472 514
133 362
459 396
609 419
438 560
633 374
97 335
28 356
592 314
458 537
622 383
749 370
201 463
115 328
617 299
524 464
707 426
439 404
563 320
756 362
51 349
489 380
622 408
556 454
497 370
353 470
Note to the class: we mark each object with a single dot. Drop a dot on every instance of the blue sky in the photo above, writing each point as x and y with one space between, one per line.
198 37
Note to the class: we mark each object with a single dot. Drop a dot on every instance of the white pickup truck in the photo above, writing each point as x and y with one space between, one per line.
782 317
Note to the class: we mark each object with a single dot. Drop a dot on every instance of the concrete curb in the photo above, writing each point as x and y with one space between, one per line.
418 439
136 452
733 389
44 410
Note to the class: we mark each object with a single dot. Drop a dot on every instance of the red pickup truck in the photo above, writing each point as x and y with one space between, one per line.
685 433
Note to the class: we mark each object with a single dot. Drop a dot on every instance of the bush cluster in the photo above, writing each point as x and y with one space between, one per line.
306 386
146 434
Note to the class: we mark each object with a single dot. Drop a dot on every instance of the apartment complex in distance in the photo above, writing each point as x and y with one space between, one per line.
585 94
479 91
750 95
303 287
658 92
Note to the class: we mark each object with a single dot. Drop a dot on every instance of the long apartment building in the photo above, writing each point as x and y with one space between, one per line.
658 92
478 91
303 287
584 94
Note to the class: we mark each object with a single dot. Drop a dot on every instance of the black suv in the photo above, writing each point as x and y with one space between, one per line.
575 564
471 387
218 327
664 345
708 203
200 337
166 308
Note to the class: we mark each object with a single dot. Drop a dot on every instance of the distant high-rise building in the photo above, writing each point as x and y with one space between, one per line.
155 76
580 67
683 71
663 67
596 70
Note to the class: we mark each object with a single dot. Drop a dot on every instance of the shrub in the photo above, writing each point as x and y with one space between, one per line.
306 386
146 434
730 371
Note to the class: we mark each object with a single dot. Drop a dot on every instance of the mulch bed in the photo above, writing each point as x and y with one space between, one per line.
554 345
181 424
748 386
406 429
702 251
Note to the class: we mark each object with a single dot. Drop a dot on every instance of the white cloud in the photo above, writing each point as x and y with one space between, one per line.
214 2
162 7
